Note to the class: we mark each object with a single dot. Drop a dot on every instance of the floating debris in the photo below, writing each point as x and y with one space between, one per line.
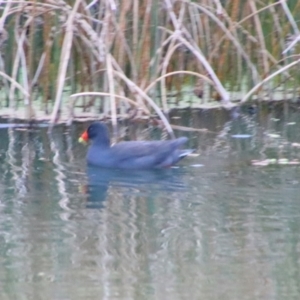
24 126
274 161
273 135
12 125
197 165
241 136
193 154
291 123
43 159
21 129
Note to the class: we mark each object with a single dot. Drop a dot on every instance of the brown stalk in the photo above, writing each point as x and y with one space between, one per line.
236 43
267 79
122 27
261 38
135 30
145 44
200 76
137 90
64 59
93 94
48 36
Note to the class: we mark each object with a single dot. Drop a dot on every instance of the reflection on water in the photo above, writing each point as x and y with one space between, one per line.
131 182
215 227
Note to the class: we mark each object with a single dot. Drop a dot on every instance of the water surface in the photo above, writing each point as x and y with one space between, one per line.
216 227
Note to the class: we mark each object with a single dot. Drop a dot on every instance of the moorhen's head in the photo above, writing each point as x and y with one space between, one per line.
97 133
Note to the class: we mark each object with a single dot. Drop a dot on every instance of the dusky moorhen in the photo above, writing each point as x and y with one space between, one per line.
133 154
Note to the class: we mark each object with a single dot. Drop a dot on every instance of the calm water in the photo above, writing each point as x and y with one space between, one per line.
216 227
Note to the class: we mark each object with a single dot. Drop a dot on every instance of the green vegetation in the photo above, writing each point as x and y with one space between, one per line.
136 57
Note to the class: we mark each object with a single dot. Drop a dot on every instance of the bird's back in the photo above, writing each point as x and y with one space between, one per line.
137 154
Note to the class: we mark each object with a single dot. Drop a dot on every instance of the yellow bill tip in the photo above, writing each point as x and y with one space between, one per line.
82 141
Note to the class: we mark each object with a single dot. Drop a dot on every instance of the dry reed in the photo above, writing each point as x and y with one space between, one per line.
140 51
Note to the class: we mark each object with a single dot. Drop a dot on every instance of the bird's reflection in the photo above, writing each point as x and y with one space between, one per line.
145 181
